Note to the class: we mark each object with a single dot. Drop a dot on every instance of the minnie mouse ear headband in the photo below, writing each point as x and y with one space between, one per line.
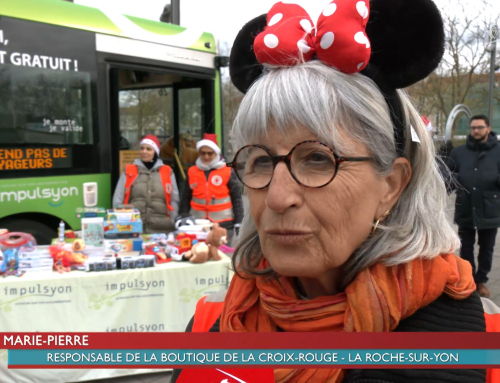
396 43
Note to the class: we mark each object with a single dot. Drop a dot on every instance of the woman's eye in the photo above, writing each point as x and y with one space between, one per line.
318 157
260 163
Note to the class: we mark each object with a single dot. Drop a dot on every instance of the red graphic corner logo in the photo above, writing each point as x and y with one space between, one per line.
226 376
217 180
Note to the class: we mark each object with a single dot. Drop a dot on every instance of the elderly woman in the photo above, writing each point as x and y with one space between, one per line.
346 228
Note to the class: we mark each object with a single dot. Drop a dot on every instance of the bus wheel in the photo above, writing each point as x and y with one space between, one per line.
42 233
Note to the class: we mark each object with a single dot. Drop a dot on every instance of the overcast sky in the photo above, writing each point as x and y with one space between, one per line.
224 18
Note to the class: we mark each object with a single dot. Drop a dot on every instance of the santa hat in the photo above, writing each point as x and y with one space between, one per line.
152 141
209 140
428 124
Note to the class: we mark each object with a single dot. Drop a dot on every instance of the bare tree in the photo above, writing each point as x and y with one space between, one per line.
143 108
231 99
461 77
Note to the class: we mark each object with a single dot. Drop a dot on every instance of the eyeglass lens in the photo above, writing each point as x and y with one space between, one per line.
312 164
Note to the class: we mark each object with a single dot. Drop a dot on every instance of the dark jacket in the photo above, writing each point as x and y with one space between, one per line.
234 191
445 150
443 315
476 167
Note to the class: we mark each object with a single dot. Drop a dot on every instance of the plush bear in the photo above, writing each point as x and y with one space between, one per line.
78 258
198 253
217 237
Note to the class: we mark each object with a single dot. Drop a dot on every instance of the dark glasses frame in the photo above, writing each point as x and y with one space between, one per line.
287 159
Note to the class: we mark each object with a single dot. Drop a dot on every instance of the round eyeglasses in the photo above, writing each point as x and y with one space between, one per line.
312 164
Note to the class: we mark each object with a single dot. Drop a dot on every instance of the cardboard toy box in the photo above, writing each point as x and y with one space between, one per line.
137 262
41 269
123 215
101 264
93 231
156 237
35 252
90 212
122 227
28 263
122 245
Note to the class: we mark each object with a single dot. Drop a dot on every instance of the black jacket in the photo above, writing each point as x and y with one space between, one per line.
443 315
234 191
476 167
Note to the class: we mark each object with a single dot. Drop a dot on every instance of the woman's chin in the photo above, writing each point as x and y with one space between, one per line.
287 267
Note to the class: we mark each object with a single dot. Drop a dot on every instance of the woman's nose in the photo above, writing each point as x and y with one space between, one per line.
283 192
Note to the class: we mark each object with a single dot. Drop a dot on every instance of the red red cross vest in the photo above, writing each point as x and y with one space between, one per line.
131 173
211 199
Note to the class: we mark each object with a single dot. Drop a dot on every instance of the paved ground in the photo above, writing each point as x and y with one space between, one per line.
493 285
494 276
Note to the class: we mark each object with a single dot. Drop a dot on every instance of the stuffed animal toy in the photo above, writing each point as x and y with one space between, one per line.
10 264
77 256
217 237
62 258
199 253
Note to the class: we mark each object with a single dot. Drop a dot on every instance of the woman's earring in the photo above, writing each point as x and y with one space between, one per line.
386 214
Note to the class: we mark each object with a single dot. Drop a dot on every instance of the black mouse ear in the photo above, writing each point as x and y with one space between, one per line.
244 68
407 39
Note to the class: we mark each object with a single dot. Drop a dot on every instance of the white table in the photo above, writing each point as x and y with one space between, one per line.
160 299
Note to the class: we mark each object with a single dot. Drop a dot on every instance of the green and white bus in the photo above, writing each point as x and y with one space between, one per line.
79 87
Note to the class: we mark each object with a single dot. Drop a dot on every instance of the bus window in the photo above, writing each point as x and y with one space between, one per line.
47 101
191 112
45 106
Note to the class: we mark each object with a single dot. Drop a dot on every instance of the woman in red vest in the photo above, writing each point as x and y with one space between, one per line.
212 191
151 187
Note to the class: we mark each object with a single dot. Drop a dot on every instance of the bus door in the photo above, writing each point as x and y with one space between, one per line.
194 106
176 107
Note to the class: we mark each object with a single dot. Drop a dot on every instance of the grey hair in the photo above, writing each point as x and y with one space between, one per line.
332 104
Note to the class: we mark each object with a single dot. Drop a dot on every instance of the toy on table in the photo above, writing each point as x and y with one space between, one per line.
62 258
11 264
107 263
93 231
90 212
123 214
78 258
124 206
10 243
141 261
159 253
204 251
62 229
216 238
69 234
198 253
184 242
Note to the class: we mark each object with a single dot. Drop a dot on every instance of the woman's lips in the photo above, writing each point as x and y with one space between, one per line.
288 237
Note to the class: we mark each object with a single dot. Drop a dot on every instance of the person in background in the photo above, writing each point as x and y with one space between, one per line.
475 167
442 156
151 187
212 191
445 150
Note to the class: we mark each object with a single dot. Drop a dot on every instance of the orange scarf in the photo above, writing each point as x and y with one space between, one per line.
377 300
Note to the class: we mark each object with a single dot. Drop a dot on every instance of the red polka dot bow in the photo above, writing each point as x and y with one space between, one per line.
338 40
